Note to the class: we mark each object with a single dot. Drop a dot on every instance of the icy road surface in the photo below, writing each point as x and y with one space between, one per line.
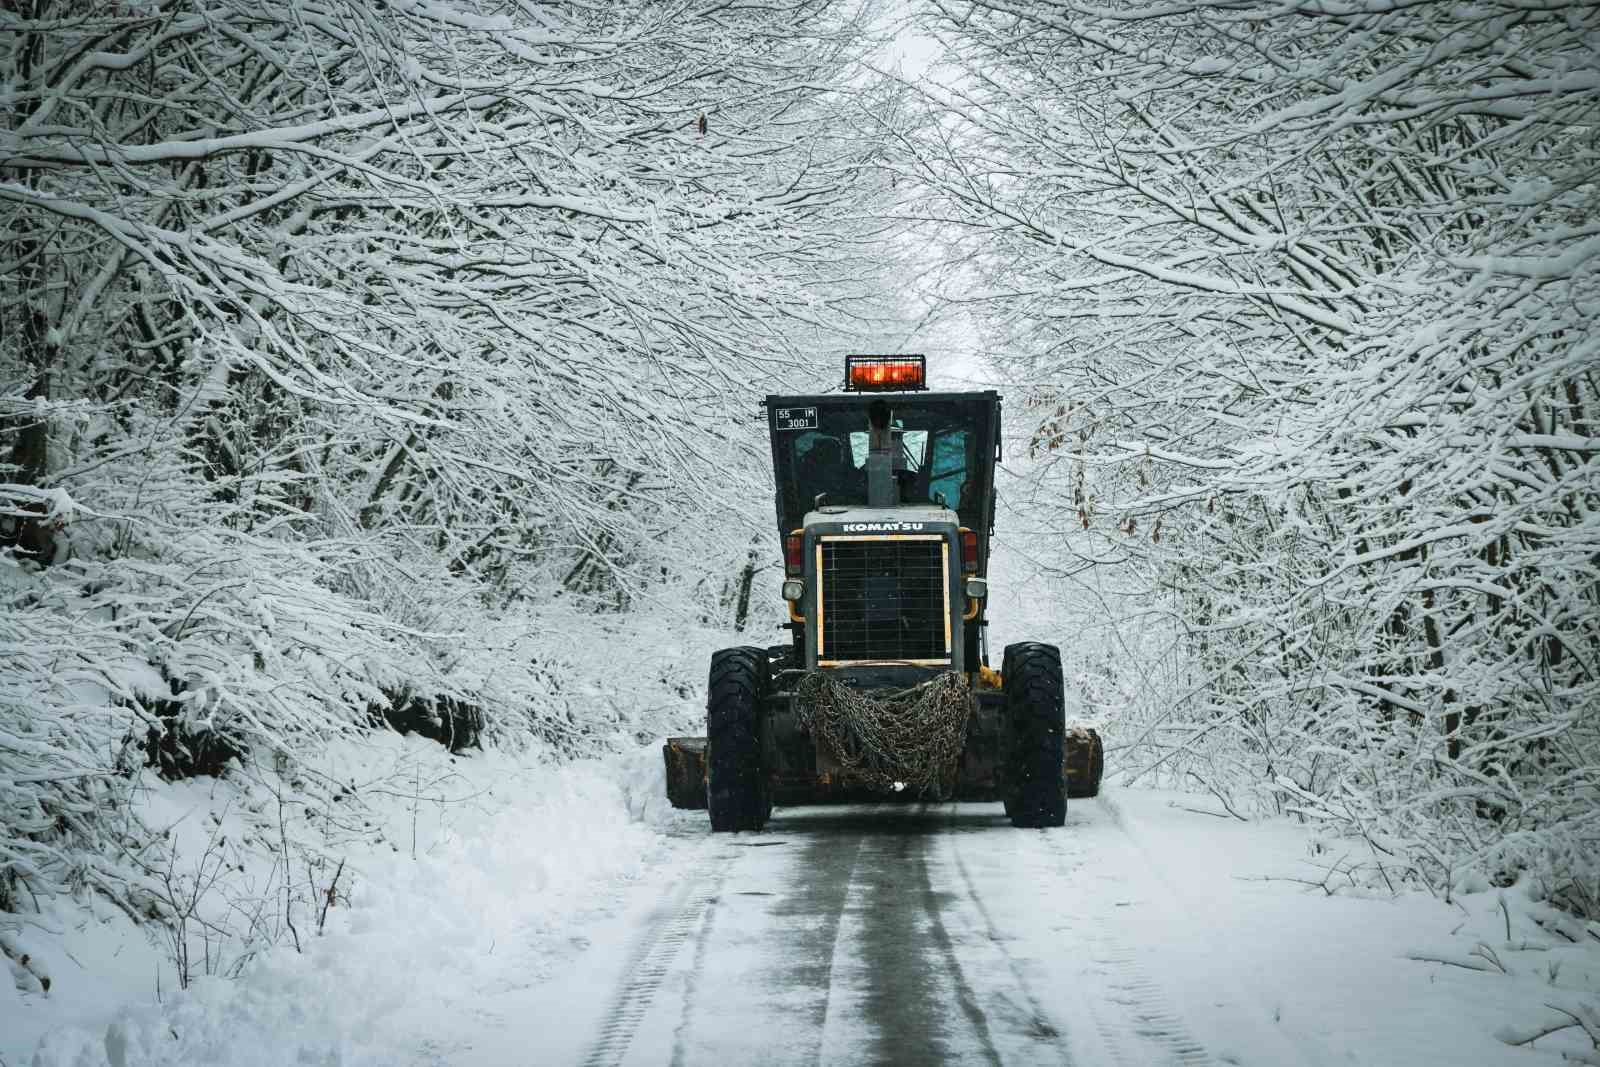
566 916
892 934
937 933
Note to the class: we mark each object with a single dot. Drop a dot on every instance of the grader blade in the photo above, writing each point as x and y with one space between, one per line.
686 771
1085 762
976 780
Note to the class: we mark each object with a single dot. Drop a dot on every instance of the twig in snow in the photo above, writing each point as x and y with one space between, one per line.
416 799
1583 1016
288 883
1452 963
1334 866
1554 928
1484 952
1224 802
1322 885
1201 811
439 799
329 896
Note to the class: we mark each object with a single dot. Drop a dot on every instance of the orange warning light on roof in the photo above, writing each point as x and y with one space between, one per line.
868 374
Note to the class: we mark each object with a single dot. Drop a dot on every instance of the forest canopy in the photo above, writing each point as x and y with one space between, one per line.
358 358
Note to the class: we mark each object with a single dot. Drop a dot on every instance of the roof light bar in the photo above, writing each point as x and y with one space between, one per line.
885 374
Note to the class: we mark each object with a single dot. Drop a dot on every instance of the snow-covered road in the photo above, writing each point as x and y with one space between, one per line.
891 933
930 933
569 917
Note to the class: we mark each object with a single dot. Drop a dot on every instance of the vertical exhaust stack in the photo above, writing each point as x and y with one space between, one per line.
883 456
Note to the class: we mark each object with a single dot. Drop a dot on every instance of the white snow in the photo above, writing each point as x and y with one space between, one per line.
497 916
499 858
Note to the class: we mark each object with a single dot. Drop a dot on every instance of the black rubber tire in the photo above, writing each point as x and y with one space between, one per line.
1036 724
736 780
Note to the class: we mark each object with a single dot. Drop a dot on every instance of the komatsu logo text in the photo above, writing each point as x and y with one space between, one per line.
881 527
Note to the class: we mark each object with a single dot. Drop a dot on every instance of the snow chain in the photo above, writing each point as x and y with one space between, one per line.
907 739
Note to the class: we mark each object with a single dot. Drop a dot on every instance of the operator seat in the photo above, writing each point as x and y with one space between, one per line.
826 468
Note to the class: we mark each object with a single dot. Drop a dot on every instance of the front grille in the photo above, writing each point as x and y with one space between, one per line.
883 599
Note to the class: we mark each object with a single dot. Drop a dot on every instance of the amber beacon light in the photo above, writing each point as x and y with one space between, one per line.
884 374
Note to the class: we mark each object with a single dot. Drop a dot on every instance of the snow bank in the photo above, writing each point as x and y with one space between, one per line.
452 865
1270 915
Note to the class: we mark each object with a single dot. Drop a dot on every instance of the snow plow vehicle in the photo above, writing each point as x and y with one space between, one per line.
885 507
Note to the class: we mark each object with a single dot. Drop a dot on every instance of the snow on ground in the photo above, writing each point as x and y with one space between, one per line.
1352 976
508 885
449 862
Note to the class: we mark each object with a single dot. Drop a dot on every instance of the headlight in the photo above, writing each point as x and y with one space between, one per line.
793 590
977 588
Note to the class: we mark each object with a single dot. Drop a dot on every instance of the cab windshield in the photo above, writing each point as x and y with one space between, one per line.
822 451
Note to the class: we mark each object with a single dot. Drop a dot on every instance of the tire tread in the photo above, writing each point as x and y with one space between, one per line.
736 793
1036 725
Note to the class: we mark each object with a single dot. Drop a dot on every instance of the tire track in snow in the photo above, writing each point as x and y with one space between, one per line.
1132 1013
654 956
898 994
933 908
765 954
825 895
1041 1035
1186 916
1142 1011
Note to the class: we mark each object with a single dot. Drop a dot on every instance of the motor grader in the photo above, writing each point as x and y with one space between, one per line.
885 507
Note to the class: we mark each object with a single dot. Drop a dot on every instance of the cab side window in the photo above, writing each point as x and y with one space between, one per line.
950 463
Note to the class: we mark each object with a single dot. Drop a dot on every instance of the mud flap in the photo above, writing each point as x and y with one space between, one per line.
686 771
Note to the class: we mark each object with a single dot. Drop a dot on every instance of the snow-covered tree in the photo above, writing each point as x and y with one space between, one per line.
1304 301
340 338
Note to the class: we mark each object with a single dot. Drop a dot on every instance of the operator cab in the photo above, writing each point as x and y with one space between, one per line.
948 444
885 503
